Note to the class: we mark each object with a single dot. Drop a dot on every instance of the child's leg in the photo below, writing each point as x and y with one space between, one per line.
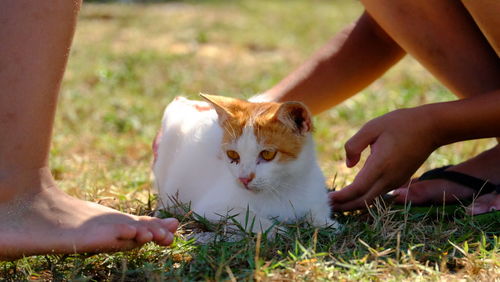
349 62
444 38
485 14
35 216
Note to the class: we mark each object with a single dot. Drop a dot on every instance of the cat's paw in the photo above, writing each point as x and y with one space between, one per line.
275 230
326 222
335 225
263 225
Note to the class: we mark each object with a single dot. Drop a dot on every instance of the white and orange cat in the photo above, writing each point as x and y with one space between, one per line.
233 157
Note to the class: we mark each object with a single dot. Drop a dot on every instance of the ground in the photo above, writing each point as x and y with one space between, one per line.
129 61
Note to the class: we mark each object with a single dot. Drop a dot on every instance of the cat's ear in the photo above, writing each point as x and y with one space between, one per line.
295 115
221 104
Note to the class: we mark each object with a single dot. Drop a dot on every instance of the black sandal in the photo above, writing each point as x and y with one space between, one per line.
480 186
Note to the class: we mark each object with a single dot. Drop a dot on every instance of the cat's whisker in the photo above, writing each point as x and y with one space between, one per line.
271 188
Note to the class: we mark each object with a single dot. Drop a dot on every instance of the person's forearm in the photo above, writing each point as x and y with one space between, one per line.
466 119
348 63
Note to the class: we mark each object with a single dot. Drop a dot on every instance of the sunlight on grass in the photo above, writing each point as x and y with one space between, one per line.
129 61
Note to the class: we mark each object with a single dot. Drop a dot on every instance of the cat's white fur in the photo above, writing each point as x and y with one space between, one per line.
192 168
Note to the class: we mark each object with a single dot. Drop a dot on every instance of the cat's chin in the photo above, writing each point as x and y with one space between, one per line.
250 188
254 190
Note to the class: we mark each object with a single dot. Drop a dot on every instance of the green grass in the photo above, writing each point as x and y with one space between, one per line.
129 61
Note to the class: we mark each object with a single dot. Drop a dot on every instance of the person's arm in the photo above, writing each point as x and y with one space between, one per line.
402 140
352 60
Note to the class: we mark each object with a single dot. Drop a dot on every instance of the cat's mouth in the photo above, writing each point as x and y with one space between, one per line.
250 188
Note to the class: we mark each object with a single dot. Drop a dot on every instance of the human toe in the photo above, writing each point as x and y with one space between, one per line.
126 231
477 208
162 228
144 235
418 193
169 238
171 224
400 195
483 204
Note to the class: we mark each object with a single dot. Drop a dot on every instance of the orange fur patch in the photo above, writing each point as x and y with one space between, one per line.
269 131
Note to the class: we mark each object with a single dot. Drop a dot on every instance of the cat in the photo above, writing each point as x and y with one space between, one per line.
231 157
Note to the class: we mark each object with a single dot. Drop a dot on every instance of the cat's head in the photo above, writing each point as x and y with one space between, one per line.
262 142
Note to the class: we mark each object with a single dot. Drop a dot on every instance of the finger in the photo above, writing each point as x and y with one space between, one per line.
364 201
358 143
400 195
363 182
384 182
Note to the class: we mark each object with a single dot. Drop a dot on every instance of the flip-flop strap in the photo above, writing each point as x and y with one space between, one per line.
480 185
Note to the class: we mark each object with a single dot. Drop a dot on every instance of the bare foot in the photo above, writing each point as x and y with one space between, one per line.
484 166
38 218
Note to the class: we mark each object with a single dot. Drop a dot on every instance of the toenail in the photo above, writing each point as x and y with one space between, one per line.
162 232
170 237
397 192
171 223
169 220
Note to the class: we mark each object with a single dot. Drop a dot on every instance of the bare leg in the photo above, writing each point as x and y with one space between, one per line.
352 60
35 216
443 37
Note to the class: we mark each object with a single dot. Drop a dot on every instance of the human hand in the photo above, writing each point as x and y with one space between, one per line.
400 142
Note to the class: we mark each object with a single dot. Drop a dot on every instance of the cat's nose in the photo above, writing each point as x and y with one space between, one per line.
246 180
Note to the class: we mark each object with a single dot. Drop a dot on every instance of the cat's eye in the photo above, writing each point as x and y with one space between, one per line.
233 156
268 155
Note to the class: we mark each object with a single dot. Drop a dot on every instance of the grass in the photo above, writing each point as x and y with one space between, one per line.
129 61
